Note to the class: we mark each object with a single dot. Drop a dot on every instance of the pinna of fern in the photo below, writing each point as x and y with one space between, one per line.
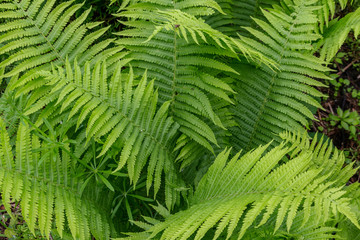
47 186
327 9
195 8
246 194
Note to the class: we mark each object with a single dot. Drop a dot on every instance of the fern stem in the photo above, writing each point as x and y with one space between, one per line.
173 86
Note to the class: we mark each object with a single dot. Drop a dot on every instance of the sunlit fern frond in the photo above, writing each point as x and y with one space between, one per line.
336 34
348 230
238 14
118 112
312 230
298 186
37 33
270 101
179 50
195 8
48 189
196 29
326 10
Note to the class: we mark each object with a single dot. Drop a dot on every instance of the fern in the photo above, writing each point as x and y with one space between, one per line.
116 113
335 35
78 108
38 33
310 231
194 158
9 111
349 231
239 14
327 11
272 101
263 191
174 49
46 186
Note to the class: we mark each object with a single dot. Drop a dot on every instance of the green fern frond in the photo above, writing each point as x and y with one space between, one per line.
312 230
336 35
176 66
47 188
327 9
191 27
195 8
116 112
239 14
242 194
349 231
38 33
10 108
194 156
273 101
179 50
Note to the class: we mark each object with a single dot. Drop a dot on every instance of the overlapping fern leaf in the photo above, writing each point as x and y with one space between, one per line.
336 35
326 10
312 230
179 50
349 231
242 194
10 108
238 14
194 156
43 180
37 33
270 101
118 113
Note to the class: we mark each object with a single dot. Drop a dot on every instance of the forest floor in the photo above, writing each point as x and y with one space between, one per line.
341 109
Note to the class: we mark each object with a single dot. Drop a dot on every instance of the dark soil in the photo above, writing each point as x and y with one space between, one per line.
343 99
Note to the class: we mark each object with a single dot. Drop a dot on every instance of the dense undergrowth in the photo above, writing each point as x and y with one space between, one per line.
179 119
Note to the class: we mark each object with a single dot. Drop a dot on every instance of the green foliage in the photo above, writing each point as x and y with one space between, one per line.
37 33
346 120
239 14
248 192
344 61
178 49
335 36
117 112
43 179
272 101
349 232
98 120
